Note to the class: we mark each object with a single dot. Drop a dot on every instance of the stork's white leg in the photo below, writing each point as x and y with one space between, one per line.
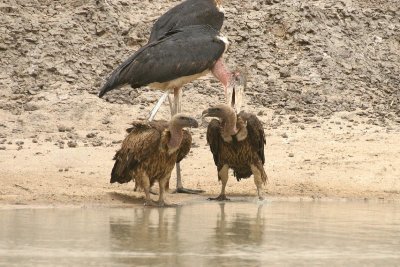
177 108
171 104
160 101
177 101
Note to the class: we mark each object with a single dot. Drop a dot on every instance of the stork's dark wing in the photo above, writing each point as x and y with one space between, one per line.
141 142
184 52
255 133
185 146
187 13
214 139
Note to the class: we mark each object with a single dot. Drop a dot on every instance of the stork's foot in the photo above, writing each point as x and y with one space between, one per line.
188 191
219 198
261 198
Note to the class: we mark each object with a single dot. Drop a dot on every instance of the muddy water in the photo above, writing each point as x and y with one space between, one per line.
238 233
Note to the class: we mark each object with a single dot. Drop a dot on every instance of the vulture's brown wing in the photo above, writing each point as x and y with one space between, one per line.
185 146
214 139
255 133
141 142
159 125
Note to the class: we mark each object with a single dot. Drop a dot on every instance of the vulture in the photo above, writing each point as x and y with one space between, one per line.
187 13
149 153
236 142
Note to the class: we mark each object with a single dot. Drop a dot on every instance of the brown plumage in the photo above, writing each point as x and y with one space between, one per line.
150 151
236 142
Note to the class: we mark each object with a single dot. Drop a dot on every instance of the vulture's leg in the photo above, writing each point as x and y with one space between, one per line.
160 101
146 186
223 175
163 183
177 109
136 186
257 180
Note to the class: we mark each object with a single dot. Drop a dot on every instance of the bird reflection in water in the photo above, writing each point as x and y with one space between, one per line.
173 236
144 234
239 228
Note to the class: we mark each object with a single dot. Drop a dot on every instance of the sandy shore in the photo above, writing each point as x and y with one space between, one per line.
321 162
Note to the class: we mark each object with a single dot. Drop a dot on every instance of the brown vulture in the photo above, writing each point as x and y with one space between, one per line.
236 142
150 151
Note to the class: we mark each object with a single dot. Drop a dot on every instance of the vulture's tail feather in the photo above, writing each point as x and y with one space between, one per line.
120 172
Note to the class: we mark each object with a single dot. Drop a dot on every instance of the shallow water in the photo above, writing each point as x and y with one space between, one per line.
238 233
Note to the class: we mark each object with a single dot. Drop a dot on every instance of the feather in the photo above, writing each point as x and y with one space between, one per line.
240 153
145 148
183 52
187 13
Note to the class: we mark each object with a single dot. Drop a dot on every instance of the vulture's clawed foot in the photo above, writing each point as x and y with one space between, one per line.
219 198
159 204
150 203
167 205
188 191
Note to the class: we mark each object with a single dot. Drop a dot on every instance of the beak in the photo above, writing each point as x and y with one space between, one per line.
205 113
230 94
193 123
235 91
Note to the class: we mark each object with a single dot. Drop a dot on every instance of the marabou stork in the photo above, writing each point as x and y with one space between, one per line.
177 58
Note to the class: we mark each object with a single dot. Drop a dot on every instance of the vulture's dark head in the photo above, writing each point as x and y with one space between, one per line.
235 90
221 111
182 120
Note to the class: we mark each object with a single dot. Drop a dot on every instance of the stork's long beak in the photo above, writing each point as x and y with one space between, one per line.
235 90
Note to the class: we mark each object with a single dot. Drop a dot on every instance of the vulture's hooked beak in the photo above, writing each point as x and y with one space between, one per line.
235 90
193 123
207 113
